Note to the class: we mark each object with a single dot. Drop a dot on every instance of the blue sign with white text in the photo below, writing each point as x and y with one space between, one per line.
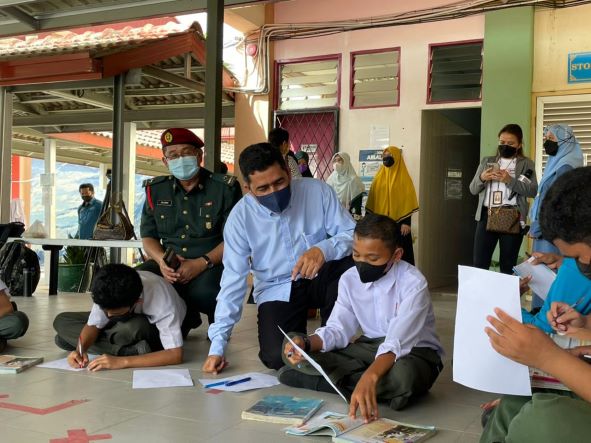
579 67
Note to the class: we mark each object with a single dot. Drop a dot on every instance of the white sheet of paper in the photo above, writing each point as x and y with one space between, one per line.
257 381
161 378
314 364
542 276
62 363
475 363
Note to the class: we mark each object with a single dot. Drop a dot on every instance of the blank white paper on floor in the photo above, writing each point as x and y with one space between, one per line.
257 380
63 364
542 276
161 378
475 363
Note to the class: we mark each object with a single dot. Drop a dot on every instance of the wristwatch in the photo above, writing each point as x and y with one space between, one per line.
208 261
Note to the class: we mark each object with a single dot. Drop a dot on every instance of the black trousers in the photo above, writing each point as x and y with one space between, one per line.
320 292
485 243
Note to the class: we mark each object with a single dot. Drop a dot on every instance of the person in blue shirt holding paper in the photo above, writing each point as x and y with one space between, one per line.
550 416
564 154
295 237
571 286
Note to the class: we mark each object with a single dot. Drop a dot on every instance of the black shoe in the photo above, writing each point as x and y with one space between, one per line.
296 379
3 343
63 344
140 348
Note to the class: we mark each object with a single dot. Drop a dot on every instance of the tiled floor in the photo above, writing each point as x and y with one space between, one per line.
189 414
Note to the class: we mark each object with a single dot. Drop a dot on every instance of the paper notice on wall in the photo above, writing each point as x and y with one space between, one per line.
379 136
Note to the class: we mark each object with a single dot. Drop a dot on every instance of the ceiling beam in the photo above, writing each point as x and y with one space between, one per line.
165 76
104 117
103 101
22 17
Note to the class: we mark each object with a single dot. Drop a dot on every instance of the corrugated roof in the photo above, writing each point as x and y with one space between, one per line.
97 42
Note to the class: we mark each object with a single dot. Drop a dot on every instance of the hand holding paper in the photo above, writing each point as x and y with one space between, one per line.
313 363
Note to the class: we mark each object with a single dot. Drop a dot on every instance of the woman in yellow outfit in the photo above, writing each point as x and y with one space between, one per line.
393 194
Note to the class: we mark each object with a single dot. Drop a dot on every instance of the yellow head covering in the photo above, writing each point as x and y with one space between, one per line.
392 192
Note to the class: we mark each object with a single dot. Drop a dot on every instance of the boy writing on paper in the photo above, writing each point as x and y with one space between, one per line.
565 219
135 321
398 357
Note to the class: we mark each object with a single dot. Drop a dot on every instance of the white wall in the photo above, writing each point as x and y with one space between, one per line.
404 121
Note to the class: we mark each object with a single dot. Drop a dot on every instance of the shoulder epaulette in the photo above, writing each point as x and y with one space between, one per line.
156 180
228 179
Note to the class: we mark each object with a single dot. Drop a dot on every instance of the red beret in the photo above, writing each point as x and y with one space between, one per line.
180 136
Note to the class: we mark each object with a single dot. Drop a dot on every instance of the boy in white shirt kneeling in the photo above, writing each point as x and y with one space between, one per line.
398 357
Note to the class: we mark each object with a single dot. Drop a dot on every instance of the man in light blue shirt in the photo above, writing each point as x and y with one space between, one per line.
88 212
295 237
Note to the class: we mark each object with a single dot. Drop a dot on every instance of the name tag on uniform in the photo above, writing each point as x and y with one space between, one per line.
164 202
207 204
497 198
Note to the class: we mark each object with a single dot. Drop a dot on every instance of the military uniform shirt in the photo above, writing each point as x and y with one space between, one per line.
191 222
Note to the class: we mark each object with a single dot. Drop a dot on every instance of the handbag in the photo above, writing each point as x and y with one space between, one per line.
503 219
105 230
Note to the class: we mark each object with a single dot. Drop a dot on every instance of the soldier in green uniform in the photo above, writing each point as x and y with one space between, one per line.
186 211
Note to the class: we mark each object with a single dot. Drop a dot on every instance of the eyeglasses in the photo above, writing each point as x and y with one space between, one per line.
184 153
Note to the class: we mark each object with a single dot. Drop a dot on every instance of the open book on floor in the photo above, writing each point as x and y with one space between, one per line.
283 409
384 430
11 364
344 429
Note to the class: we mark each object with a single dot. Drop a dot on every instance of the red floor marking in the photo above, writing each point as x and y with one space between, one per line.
80 436
214 391
39 411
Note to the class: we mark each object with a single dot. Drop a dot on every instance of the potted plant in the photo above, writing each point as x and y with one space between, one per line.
71 268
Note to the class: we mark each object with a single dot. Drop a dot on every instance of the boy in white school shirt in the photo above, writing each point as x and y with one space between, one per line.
398 357
135 322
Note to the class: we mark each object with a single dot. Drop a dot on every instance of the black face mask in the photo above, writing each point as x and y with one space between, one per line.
370 273
585 269
388 161
121 317
86 198
551 147
507 151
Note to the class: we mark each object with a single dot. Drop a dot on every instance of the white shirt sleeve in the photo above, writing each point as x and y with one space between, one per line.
404 329
342 324
97 317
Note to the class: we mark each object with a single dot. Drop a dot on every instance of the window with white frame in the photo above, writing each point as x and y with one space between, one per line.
455 72
571 110
375 78
308 84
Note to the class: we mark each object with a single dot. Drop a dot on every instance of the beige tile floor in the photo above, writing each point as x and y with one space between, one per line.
189 414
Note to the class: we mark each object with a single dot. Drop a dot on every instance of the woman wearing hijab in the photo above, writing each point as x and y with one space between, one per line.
303 163
344 181
393 194
564 154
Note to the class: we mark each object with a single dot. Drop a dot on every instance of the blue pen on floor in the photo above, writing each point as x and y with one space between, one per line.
235 382
212 385
228 382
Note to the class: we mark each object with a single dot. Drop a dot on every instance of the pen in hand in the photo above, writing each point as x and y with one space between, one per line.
80 352
559 313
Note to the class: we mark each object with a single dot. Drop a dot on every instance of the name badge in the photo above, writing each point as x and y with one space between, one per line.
497 198
164 202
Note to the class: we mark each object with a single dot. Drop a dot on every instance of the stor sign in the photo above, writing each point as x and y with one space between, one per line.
579 67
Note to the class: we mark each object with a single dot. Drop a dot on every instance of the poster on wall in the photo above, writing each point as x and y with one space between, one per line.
370 161
379 136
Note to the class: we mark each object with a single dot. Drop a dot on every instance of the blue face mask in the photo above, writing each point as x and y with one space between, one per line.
276 201
184 168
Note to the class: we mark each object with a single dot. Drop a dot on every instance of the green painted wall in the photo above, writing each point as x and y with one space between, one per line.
507 75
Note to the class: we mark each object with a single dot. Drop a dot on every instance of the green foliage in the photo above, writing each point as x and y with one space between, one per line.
74 255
